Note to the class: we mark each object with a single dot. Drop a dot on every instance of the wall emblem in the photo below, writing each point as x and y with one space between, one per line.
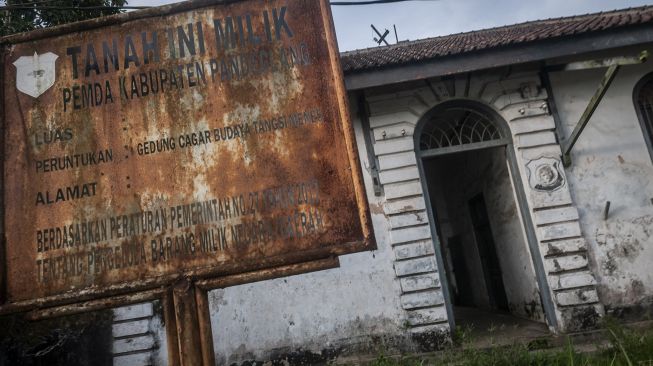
545 174
35 74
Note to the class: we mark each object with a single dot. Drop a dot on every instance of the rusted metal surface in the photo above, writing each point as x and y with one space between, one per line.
94 305
166 148
160 293
171 328
266 274
187 320
264 268
204 325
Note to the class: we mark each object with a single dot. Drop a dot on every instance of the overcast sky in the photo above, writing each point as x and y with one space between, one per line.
427 18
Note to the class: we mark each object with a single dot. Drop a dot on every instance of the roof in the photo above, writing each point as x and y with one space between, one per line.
533 31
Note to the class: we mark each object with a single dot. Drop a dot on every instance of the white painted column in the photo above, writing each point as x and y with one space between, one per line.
393 118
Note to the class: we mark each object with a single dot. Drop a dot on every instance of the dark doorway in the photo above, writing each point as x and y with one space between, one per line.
462 295
488 253
486 257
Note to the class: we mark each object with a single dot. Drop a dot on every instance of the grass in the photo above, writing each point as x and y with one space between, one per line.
626 347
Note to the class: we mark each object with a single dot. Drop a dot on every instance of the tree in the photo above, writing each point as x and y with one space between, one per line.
25 15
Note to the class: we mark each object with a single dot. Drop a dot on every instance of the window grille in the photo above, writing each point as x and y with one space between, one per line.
456 126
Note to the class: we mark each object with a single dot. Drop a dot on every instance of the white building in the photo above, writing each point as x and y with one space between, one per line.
476 217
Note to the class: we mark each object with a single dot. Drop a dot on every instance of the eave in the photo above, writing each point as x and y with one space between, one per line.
522 53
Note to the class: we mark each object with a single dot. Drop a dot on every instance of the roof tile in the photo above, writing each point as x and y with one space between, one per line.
425 49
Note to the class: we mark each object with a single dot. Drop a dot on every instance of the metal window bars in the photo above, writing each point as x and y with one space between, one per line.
458 126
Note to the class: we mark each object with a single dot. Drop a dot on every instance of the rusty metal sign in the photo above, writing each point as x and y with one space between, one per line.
200 139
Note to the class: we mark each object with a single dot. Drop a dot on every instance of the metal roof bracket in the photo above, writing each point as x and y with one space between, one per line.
613 65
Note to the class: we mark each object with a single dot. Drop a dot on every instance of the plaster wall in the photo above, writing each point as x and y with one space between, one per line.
611 163
320 313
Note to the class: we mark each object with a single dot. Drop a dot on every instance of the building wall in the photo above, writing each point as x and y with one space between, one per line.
611 163
560 250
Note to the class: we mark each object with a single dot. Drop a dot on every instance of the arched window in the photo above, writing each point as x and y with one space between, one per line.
643 98
460 126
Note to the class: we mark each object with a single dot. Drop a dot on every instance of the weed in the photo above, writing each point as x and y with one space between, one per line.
462 336
627 347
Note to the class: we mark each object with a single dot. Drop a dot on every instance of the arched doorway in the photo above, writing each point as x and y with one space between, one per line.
480 220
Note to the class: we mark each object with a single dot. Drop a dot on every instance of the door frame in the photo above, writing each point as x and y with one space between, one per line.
548 306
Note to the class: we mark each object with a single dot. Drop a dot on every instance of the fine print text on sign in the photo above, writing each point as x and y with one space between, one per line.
212 139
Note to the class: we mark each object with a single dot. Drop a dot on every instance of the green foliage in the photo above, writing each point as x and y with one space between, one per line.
35 14
627 347
461 336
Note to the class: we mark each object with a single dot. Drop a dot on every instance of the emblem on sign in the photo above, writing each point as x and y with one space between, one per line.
544 174
35 74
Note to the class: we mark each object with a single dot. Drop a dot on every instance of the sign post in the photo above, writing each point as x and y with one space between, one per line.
191 348
165 152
